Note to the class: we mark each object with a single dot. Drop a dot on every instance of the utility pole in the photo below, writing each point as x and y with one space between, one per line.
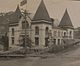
25 19
25 14
26 30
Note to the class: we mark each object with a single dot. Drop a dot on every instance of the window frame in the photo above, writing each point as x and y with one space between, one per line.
23 25
37 41
47 31
36 30
12 39
13 31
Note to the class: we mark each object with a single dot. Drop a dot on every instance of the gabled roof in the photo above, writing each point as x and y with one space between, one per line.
12 17
66 21
15 17
2 19
41 13
3 24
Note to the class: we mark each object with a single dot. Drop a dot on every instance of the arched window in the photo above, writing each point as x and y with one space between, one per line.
58 41
46 30
12 31
55 41
25 25
70 34
36 30
64 34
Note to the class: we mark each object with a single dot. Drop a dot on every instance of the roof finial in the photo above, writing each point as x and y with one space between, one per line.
42 1
66 10
18 6
17 9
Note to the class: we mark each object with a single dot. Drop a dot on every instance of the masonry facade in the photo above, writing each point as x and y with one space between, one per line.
39 27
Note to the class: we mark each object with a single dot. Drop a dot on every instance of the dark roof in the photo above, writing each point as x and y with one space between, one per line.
10 17
15 17
66 21
41 13
2 19
3 24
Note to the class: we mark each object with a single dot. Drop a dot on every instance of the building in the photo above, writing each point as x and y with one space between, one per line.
13 27
39 27
77 33
65 30
67 25
41 24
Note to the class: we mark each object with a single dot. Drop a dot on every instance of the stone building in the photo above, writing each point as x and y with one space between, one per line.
39 27
77 33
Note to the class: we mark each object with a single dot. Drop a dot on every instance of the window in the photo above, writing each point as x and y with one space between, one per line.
64 34
55 32
12 31
12 40
46 42
70 34
54 41
58 41
36 41
36 30
58 33
25 26
21 38
46 30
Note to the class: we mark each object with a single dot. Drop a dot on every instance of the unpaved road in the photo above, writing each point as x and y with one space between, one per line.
69 58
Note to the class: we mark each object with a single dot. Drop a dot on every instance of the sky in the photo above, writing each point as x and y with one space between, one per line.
56 8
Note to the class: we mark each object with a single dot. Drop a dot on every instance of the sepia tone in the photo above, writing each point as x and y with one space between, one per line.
39 33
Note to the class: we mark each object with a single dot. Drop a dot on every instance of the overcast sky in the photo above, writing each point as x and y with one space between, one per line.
55 8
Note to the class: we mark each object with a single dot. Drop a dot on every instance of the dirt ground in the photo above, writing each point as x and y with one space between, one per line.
68 58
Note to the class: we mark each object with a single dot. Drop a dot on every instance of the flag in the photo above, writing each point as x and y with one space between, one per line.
23 2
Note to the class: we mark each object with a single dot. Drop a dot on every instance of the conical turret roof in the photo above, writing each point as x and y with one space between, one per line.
66 21
41 13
